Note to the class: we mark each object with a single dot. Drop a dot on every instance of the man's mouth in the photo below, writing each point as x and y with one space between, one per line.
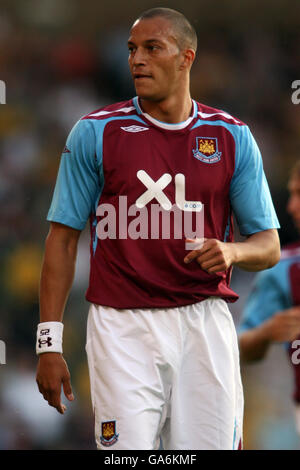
140 76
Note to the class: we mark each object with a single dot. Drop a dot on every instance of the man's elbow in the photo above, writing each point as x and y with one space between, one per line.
275 259
274 251
62 239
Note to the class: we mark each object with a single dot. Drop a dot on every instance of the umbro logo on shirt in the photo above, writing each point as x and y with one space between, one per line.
135 129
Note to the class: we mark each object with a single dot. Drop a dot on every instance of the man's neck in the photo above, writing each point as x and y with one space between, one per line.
171 110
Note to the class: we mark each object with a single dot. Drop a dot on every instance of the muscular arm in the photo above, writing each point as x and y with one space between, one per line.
259 251
57 271
56 280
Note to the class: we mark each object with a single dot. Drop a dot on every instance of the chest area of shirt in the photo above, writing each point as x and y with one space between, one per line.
136 156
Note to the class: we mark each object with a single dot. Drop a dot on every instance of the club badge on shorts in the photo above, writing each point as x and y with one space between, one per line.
108 433
207 150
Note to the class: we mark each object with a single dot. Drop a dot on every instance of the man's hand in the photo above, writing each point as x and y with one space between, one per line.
214 256
258 251
283 326
52 373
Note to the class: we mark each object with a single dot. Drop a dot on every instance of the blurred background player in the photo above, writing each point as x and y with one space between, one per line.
272 311
161 342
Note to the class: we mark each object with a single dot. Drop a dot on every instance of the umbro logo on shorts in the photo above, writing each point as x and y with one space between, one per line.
135 129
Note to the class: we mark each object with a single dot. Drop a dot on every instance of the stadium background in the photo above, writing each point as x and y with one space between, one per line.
63 58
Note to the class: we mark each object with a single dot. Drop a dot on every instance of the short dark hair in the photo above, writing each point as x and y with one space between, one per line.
185 33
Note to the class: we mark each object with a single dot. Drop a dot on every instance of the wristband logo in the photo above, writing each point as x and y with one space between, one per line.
2 352
45 341
45 332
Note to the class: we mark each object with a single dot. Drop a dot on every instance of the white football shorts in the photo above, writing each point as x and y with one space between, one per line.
171 374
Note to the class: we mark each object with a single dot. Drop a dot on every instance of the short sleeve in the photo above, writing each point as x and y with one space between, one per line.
78 183
249 191
265 299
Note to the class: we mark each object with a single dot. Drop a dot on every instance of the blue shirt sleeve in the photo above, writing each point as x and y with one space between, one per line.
78 184
249 191
266 298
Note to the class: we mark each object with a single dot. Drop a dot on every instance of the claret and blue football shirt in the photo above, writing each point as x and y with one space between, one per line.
119 164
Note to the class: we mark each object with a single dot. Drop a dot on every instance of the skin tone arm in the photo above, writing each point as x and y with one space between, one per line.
259 251
56 280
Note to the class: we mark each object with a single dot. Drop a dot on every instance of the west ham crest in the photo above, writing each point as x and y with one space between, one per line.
108 433
207 149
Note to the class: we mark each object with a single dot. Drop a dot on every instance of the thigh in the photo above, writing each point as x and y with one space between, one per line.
126 385
207 397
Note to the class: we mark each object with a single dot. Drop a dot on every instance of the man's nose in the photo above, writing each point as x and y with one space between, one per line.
139 57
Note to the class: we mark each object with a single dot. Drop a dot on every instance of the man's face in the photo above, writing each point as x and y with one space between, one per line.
154 59
293 206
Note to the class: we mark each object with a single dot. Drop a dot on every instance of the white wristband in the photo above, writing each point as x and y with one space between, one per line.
49 337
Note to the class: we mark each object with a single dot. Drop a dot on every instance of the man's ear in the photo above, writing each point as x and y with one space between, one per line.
188 57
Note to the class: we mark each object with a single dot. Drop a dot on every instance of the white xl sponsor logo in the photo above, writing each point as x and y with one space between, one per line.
184 223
